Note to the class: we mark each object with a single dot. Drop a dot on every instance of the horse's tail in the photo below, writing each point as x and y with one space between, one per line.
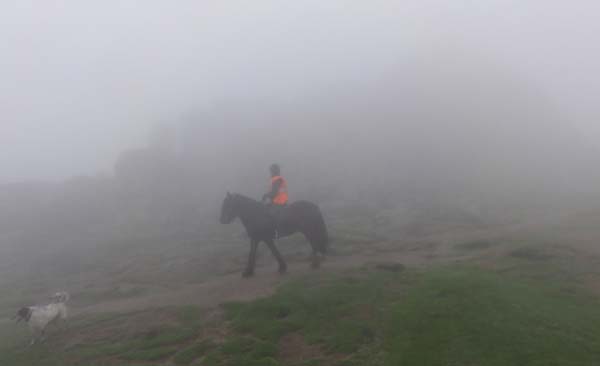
321 236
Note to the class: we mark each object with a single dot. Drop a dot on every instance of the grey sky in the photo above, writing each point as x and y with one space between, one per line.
82 80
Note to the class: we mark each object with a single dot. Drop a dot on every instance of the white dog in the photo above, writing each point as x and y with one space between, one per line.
38 317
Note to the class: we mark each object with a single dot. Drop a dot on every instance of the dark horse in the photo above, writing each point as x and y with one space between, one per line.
302 216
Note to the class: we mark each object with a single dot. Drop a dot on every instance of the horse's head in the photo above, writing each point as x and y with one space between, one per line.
228 209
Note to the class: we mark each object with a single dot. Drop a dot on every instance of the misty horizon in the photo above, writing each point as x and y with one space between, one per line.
83 83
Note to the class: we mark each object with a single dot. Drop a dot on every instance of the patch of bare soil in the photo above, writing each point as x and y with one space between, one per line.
231 287
411 252
214 328
293 350
123 327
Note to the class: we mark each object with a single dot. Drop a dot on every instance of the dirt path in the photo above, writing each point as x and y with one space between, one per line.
232 287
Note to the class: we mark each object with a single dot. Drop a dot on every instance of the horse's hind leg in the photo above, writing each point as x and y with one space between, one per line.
315 261
277 255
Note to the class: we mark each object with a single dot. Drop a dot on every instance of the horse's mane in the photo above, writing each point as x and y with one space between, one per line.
247 202
243 198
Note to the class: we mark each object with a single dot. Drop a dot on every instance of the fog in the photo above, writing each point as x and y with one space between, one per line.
117 116
91 78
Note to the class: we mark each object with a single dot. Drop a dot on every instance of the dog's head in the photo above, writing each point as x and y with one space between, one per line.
60 297
24 314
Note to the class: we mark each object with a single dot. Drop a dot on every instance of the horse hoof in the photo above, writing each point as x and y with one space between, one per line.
283 270
247 274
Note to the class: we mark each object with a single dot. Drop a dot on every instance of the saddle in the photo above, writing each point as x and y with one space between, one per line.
278 214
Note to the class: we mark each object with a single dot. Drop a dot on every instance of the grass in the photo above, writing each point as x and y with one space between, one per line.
528 309
324 311
447 316
90 297
546 263
192 353
151 354
532 253
154 345
469 316
475 245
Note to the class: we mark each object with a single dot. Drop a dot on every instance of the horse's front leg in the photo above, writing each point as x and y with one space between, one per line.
277 255
251 259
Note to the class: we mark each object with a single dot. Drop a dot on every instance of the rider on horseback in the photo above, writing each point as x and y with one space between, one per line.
277 197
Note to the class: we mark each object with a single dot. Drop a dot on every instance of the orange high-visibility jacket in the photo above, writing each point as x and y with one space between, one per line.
281 197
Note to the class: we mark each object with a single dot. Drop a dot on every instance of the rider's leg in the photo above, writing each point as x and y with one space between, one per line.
277 212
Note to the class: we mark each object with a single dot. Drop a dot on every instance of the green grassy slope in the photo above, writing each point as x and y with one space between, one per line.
528 308
447 316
